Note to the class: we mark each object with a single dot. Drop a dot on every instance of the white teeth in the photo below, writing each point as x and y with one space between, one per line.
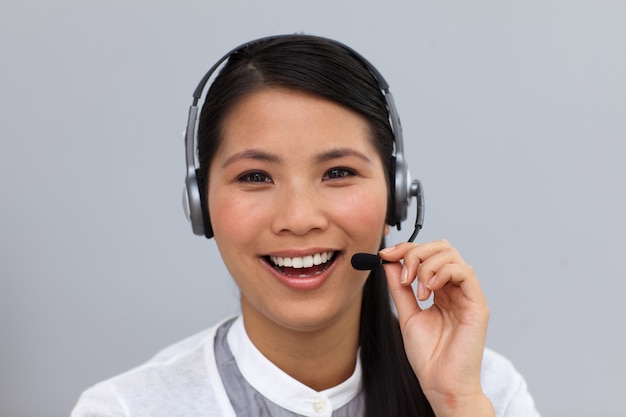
303 261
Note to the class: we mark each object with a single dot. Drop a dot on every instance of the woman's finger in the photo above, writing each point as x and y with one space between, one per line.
423 250
461 276
422 261
402 295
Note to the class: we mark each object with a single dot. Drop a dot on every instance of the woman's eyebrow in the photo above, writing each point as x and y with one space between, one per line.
260 155
341 153
256 154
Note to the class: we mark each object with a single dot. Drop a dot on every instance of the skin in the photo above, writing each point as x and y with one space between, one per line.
297 174
445 342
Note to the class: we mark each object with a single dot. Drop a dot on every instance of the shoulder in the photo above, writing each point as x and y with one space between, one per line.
506 387
181 379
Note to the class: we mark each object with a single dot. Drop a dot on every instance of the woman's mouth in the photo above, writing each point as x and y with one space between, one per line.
302 266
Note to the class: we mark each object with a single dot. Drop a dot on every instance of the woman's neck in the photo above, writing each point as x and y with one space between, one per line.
320 358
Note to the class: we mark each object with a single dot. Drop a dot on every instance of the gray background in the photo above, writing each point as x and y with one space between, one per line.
514 117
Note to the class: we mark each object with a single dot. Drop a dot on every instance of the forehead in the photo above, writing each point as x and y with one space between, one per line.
293 121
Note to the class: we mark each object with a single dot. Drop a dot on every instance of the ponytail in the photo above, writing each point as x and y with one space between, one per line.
390 385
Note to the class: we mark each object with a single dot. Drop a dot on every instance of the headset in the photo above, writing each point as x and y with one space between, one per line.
404 188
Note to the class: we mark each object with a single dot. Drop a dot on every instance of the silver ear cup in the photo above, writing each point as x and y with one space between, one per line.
406 189
401 192
192 204
417 191
191 194
186 208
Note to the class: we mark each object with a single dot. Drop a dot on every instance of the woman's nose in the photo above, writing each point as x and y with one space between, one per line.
299 209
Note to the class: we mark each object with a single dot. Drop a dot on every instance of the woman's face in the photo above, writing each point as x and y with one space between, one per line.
295 189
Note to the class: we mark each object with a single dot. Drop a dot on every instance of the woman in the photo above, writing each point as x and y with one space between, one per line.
296 172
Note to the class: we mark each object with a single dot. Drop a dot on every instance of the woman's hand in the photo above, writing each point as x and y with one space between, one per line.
445 342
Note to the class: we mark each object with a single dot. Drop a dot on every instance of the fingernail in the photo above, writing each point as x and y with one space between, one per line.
404 276
386 250
431 282
421 292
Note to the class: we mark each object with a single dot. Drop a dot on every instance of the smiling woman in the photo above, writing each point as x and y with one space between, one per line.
299 153
323 190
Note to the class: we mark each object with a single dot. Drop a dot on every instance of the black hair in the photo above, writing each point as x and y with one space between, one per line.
327 69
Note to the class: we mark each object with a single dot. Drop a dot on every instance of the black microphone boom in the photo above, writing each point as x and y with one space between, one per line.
369 261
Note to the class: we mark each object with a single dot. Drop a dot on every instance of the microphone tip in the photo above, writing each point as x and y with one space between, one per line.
365 261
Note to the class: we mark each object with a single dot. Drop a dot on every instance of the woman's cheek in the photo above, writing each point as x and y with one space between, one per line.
362 211
232 214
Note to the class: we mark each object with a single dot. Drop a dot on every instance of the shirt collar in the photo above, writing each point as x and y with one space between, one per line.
282 389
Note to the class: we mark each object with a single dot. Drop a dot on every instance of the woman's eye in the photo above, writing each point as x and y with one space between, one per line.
338 173
255 177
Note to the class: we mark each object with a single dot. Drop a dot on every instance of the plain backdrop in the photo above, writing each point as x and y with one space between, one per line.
514 117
